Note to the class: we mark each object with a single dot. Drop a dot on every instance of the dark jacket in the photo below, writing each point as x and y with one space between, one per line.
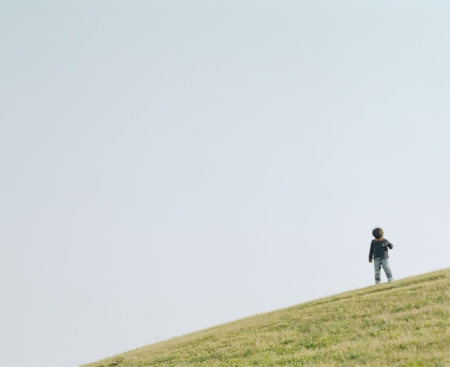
379 249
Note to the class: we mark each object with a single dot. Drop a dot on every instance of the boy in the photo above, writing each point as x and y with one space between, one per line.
379 252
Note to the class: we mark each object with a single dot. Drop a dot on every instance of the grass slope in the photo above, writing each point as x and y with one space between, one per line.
405 323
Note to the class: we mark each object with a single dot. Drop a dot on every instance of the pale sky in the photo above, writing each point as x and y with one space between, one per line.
167 166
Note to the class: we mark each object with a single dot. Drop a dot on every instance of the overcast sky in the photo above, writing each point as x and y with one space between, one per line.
167 166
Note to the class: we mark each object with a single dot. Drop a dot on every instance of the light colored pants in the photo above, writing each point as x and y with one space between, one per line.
387 269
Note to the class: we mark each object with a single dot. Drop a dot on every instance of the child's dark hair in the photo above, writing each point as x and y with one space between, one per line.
377 233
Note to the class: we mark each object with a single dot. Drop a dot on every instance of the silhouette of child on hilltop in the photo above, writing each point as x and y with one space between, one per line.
379 252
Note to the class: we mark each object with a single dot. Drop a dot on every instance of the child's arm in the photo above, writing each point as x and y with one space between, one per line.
371 252
389 245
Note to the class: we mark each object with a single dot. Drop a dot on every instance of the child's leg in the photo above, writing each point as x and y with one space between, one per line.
387 269
377 265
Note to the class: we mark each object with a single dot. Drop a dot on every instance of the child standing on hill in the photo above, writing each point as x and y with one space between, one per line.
379 252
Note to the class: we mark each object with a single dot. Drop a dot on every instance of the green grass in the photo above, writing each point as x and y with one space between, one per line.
405 323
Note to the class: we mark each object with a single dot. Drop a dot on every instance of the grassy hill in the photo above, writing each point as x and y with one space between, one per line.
405 323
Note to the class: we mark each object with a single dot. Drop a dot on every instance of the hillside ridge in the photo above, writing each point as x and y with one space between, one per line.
404 323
